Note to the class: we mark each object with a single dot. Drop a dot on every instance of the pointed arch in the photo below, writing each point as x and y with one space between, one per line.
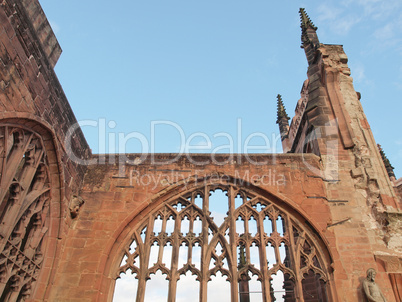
30 201
259 204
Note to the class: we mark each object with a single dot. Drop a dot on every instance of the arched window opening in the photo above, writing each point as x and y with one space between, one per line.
255 251
157 287
218 205
126 288
219 288
187 287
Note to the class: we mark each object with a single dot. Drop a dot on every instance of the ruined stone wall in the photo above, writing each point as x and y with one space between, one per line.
360 194
30 90
343 195
117 197
35 117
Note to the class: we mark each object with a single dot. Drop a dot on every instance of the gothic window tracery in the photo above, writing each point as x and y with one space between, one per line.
24 210
261 251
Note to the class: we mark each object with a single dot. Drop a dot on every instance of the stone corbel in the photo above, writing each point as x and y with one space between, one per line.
75 205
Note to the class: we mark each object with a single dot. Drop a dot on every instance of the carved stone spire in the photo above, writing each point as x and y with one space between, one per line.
387 163
309 36
244 289
242 258
282 118
281 111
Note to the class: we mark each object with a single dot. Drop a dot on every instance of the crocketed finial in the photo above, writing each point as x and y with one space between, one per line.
281 111
242 258
387 163
305 20
309 37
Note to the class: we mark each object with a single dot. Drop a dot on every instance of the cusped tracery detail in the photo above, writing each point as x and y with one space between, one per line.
24 210
260 249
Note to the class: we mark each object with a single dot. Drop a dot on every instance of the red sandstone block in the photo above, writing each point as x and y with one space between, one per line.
98 244
102 262
87 266
70 280
40 290
4 20
97 226
364 240
83 233
43 82
364 123
75 242
103 196
321 209
34 65
111 226
20 50
103 233
104 216
13 94
84 224
389 201
23 105
87 280
124 195
4 57
345 241
4 100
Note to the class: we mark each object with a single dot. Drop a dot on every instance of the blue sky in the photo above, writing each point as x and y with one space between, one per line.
216 67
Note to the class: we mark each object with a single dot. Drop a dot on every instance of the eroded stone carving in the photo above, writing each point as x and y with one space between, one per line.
371 289
75 205
25 206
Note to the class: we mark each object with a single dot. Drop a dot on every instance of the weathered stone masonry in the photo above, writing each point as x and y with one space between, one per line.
67 230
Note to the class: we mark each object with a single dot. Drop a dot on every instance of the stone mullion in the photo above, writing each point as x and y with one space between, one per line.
233 246
160 251
204 247
29 171
190 253
14 294
27 178
296 262
191 223
190 244
144 271
276 245
246 233
162 244
38 232
11 165
265 286
175 261
35 241
164 222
